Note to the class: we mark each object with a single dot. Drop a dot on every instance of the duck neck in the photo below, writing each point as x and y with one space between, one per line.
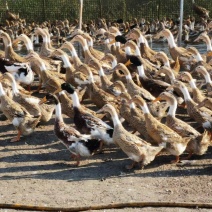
192 84
132 105
74 53
115 118
186 94
208 43
171 42
42 66
101 72
198 57
137 51
29 45
145 108
207 77
67 64
14 87
58 113
172 109
128 76
75 99
141 71
2 92
128 50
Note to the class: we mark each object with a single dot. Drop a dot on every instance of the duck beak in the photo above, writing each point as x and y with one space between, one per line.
42 100
170 88
157 99
128 63
100 110
209 54
130 101
201 104
16 42
57 91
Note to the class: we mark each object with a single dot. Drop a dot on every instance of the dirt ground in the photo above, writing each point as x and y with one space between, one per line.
38 171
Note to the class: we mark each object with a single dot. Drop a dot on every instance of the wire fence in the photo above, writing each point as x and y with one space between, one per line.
41 10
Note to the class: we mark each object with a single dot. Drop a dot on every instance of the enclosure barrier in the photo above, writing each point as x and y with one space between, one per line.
41 10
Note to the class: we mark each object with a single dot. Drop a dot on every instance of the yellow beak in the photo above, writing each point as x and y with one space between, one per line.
128 63
43 100
157 99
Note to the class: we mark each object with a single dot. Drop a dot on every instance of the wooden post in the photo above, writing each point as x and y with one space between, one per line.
181 22
80 14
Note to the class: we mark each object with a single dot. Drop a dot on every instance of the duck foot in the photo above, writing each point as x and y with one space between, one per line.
17 138
176 160
129 167
77 160
188 157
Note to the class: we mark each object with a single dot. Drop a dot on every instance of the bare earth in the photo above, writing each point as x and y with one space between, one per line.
38 171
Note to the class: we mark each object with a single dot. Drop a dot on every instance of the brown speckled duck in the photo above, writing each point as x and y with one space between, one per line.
138 150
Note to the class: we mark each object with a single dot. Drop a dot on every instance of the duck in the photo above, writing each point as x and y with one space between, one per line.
199 142
162 134
21 71
97 95
137 149
197 95
51 80
154 86
78 144
134 116
200 115
8 49
30 103
202 70
174 65
85 122
175 51
18 115
201 11
146 51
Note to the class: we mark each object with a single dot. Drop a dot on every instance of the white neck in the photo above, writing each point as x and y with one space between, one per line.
198 57
29 45
58 112
171 42
128 50
192 84
14 86
85 45
90 43
101 72
90 78
140 40
146 42
114 63
209 47
132 105
172 109
115 119
66 61
207 77
2 92
75 99
74 53
128 77
145 108
45 39
137 51
141 71
186 94
117 44
167 63
43 66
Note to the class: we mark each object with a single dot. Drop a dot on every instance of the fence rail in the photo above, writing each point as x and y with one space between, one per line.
41 10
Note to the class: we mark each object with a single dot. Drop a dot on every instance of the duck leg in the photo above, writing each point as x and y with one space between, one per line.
176 160
17 138
188 157
77 160
128 167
